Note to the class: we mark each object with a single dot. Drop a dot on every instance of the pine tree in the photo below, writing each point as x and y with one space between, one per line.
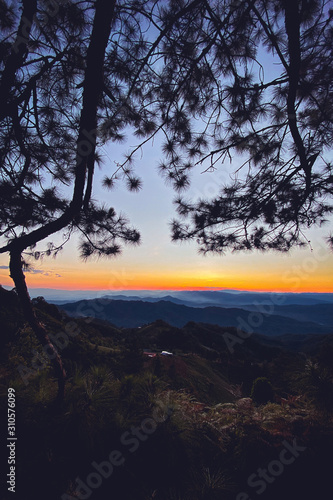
281 126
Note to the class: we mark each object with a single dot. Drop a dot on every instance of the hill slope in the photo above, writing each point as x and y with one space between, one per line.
202 431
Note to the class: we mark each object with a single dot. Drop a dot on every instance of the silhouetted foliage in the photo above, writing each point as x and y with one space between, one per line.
274 110
197 72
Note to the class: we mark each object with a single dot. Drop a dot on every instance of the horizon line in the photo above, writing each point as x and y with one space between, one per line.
173 289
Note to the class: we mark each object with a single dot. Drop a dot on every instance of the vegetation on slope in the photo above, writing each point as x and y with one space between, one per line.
184 426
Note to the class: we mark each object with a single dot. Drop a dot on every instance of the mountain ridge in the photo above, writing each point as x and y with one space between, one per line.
131 314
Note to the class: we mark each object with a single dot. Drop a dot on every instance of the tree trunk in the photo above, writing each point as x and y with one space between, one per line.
17 275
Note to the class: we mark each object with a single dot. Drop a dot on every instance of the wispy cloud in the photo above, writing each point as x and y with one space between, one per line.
38 271
43 272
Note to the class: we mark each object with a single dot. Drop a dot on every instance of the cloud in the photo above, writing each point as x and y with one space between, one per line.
43 273
38 271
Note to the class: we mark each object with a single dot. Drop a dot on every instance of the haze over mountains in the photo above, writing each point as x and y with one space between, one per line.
195 298
264 313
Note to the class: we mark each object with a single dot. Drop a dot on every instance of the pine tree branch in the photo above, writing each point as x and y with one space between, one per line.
92 88
19 50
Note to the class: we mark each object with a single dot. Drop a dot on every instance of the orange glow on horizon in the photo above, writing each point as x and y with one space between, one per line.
117 281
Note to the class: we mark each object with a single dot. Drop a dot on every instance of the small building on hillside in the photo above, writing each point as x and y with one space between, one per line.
149 354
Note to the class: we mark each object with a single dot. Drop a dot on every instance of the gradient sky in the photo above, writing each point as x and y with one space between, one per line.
159 264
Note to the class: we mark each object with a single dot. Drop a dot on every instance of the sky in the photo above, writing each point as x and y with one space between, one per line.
160 264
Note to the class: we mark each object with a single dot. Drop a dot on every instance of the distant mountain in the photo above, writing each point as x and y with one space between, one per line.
246 300
194 298
237 299
322 314
130 314
168 298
